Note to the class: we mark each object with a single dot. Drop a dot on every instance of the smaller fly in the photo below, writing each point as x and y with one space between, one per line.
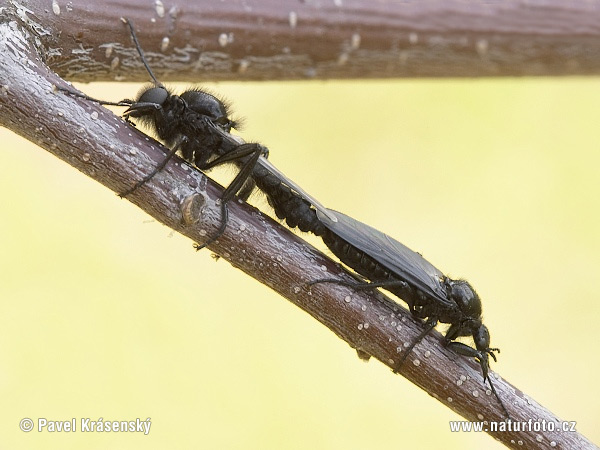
429 293
198 125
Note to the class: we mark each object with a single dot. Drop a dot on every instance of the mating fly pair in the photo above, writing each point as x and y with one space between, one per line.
197 124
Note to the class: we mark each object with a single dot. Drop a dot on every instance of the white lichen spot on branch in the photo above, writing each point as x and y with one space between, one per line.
293 18
244 64
225 39
160 8
164 44
355 41
482 47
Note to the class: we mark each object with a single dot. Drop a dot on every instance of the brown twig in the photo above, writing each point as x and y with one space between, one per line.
94 141
291 39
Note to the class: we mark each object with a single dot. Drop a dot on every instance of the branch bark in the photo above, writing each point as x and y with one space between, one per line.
275 39
104 147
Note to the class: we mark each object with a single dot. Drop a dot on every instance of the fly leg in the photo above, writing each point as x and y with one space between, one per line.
157 169
362 285
482 359
429 325
242 151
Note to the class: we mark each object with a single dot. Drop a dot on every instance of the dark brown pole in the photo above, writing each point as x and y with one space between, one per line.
291 39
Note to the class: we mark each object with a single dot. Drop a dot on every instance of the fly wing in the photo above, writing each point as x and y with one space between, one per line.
405 264
265 163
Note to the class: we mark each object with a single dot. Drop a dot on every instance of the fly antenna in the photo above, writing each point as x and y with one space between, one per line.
141 53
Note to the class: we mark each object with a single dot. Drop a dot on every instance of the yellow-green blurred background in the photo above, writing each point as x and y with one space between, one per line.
106 313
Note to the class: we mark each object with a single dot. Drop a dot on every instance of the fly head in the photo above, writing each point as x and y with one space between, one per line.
481 336
153 96
469 321
149 104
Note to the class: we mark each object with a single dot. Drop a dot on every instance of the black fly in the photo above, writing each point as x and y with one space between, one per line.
197 124
429 293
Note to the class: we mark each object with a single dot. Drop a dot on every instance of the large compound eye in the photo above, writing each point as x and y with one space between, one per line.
156 95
